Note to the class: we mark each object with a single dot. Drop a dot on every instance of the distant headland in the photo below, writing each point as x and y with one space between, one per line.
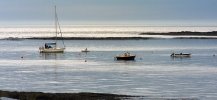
183 33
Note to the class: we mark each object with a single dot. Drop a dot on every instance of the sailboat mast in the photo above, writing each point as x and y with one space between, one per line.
55 23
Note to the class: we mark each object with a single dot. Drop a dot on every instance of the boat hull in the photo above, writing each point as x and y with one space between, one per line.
125 58
85 51
180 55
51 50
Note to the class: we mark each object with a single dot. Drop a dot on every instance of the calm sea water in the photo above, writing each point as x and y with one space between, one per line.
154 73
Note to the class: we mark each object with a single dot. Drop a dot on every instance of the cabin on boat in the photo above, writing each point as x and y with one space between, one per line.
49 45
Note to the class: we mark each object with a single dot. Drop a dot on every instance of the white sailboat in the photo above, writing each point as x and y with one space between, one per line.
53 47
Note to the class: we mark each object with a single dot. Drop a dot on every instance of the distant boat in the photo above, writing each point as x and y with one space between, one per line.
53 47
85 50
180 55
125 56
14 38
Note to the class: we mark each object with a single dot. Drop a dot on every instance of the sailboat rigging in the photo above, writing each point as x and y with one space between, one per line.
53 47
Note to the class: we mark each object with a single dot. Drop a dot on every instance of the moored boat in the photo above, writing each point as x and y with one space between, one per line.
180 55
125 56
85 50
53 47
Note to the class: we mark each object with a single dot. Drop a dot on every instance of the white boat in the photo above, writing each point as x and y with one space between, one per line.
53 47
85 50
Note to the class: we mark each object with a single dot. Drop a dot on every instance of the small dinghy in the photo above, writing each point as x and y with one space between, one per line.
85 50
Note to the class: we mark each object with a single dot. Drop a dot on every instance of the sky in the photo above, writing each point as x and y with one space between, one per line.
109 11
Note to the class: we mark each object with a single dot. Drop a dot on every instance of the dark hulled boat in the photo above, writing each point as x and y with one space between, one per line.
125 56
180 55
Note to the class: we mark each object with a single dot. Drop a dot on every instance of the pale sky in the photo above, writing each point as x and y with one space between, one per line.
103 11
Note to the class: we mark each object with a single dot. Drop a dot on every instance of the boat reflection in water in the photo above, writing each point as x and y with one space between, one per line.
51 56
125 56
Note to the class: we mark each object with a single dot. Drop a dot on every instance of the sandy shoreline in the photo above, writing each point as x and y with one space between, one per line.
62 96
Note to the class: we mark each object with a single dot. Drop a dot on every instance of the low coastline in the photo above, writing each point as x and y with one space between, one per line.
141 36
91 38
113 38
183 33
